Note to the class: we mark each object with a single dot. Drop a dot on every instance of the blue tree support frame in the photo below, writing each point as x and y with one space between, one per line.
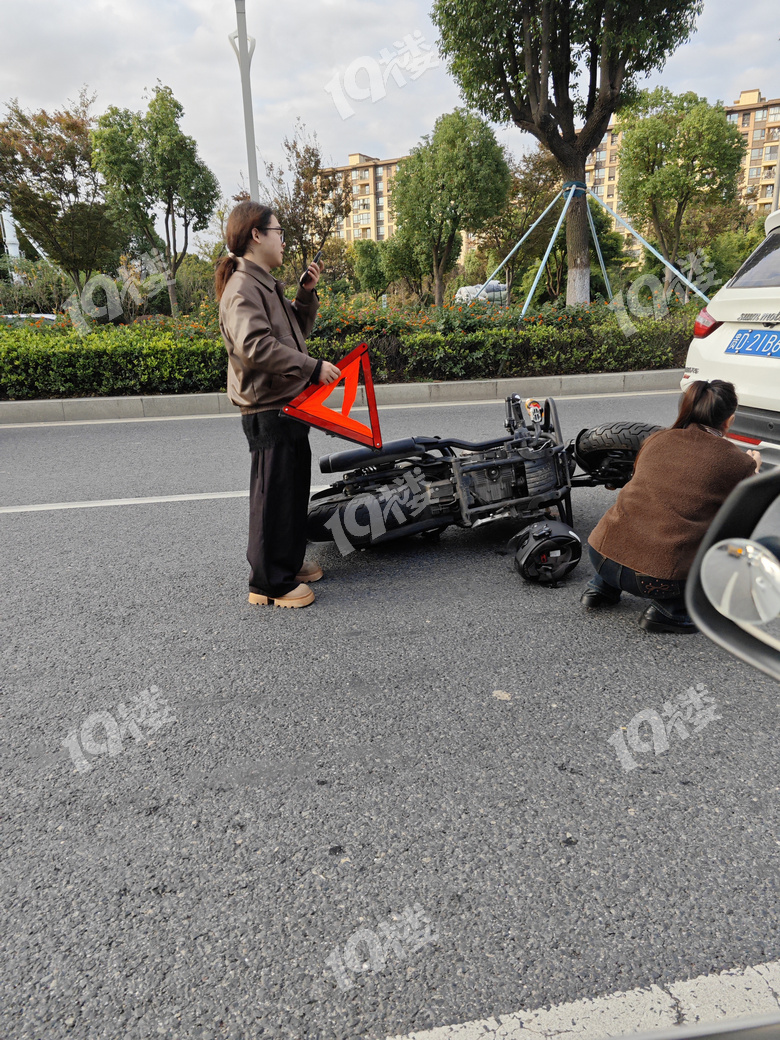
575 189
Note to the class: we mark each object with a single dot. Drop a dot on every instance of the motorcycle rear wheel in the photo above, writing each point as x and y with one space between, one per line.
611 449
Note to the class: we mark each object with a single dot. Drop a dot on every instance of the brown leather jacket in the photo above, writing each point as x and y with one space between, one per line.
681 479
265 336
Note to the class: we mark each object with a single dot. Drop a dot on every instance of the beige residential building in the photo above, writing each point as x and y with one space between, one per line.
372 187
759 122
601 176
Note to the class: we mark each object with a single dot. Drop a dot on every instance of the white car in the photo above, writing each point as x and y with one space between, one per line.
488 292
737 338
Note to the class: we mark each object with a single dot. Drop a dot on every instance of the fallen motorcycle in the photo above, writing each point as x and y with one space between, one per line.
422 485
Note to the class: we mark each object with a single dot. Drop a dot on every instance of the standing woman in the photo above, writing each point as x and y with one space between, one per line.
645 543
268 365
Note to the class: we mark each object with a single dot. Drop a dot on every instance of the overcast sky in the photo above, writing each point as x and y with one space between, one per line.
49 49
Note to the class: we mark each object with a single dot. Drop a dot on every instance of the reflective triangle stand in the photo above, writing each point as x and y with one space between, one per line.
571 190
310 407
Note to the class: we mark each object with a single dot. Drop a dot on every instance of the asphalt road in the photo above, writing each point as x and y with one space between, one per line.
414 774
68 462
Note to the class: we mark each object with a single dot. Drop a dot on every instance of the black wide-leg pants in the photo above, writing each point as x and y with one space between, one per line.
279 486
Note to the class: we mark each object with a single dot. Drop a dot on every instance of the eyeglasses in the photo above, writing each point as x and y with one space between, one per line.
279 229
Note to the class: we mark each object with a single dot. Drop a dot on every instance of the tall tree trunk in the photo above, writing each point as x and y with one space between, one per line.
172 296
438 284
578 245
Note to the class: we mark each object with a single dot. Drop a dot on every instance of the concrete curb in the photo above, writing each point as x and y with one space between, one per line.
85 408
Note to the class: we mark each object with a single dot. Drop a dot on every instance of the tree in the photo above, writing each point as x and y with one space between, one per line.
729 250
151 167
456 179
676 150
339 273
211 246
404 262
705 219
54 194
535 182
308 200
368 266
523 62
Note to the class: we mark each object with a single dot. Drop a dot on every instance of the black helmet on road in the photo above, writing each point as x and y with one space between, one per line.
546 551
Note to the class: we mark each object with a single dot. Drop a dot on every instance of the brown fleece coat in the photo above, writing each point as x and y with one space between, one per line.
265 336
681 479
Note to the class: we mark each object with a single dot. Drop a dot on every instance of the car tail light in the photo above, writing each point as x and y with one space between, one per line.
741 437
705 324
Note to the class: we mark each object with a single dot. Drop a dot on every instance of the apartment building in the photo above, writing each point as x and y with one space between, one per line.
601 176
372 187
759 122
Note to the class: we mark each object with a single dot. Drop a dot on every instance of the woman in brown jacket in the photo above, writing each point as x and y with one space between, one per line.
268 365
646 542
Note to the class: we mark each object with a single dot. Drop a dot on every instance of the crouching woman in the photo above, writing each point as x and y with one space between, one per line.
646 542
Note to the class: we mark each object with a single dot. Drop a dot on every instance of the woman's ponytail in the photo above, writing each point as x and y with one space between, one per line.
706 403
225 268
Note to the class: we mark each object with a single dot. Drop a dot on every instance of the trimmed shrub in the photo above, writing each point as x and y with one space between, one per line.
162 355
111 362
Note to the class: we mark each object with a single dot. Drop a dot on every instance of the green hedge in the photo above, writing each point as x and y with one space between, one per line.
111 362
166 357
506 353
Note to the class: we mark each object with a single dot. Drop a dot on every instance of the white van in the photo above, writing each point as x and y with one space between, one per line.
737 338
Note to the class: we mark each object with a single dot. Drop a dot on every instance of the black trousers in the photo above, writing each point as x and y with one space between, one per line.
279 486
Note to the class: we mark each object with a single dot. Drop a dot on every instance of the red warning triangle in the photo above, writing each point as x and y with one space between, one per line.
309 406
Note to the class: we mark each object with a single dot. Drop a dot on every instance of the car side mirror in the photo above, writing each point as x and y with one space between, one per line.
741 579
733 589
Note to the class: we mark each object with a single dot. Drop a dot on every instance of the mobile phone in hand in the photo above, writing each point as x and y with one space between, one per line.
305 276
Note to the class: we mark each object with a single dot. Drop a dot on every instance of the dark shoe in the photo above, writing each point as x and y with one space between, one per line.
652 620
592 598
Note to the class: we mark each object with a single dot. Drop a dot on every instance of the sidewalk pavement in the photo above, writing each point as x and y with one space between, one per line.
166 405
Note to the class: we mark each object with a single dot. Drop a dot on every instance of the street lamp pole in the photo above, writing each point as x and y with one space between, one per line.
244 47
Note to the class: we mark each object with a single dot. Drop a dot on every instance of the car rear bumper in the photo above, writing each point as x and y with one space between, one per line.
758 428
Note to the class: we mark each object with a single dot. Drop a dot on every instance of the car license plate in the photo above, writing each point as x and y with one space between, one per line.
762 343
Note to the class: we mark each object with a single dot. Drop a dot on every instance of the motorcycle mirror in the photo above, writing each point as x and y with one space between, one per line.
741 579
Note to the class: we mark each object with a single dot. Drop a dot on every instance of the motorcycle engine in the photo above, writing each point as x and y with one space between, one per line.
495 483
511 476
